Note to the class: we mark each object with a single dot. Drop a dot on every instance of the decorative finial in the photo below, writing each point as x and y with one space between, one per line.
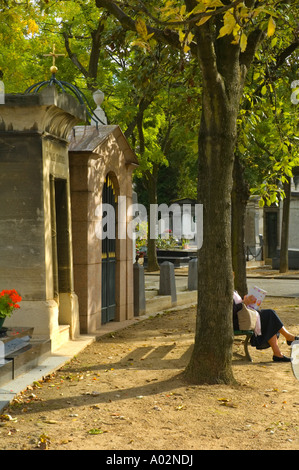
99 113
53 69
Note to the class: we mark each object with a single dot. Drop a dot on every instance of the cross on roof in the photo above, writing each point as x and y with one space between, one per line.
54 55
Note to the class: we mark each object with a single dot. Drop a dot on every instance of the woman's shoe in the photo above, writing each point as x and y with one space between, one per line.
290 342
281 359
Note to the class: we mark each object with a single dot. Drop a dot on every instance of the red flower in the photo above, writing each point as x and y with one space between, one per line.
8 302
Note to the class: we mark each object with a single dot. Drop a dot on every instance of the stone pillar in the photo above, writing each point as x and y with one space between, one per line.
193 274
139 290
167 281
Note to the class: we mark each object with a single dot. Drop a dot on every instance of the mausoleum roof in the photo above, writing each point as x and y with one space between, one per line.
90 138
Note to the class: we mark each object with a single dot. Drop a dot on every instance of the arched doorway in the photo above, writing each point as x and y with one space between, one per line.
109 201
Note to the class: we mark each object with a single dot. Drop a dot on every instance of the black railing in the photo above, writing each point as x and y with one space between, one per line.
63 86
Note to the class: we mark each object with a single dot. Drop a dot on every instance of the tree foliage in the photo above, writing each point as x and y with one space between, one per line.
268 130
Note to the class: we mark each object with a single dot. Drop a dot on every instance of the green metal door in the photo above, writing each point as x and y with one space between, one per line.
108 258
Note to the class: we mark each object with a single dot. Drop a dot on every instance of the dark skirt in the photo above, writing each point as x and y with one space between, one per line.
270 326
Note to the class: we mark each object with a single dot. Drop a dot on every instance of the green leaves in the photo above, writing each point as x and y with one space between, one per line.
271 27
269 144
96 431
144 38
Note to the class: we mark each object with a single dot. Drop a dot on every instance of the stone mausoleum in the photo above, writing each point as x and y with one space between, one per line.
55 171
101 166
264 226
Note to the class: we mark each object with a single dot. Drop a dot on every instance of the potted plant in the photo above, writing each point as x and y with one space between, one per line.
8 303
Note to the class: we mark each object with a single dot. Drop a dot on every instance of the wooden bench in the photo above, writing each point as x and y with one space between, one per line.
248 334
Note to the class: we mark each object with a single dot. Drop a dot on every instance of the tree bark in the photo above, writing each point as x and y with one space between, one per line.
240 196
284 242
212 353
91 73
151 184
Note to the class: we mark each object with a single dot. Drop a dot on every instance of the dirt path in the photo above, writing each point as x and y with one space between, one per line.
125 392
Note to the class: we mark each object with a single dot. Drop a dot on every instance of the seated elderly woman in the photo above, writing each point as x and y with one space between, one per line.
267 330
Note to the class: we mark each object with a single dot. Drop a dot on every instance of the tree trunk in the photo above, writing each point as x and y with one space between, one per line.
151 183
240 196
284 242
212 354
91 72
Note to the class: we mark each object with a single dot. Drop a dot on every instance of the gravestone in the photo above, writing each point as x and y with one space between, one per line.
167 281
35 217
193 274
139 290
